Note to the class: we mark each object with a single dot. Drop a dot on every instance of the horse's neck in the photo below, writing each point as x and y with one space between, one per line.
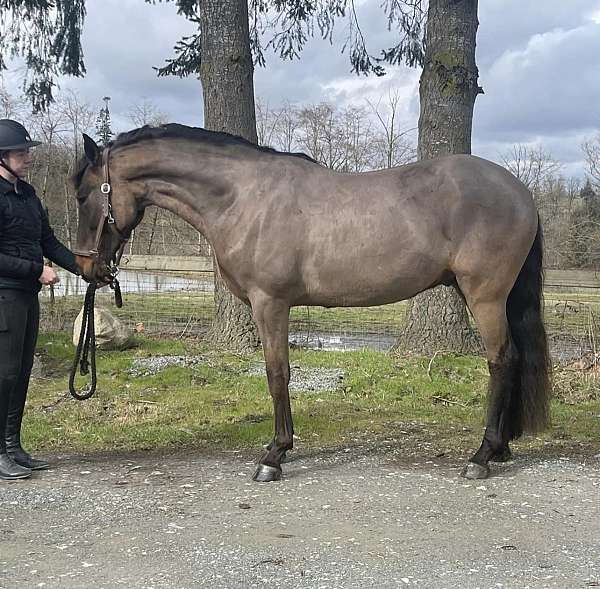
196 186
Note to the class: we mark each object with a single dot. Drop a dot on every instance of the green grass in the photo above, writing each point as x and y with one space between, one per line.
217 404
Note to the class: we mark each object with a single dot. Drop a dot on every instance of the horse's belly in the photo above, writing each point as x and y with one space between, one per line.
349 299
374 284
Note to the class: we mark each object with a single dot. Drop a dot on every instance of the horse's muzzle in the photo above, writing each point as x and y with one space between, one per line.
93 270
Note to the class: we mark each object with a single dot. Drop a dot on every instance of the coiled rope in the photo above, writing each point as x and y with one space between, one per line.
85 354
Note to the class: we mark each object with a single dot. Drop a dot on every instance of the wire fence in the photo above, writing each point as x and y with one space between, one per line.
172 296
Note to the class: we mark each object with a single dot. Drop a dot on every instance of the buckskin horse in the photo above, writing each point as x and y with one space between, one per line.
287 231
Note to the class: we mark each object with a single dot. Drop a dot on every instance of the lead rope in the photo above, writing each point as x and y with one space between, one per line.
117 288
85 355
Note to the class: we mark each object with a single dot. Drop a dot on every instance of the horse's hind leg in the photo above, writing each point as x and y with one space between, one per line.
503 367
272 316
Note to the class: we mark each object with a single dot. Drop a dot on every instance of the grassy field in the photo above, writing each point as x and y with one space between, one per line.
221 403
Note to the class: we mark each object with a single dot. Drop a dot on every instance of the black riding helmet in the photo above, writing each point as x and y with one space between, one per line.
14 136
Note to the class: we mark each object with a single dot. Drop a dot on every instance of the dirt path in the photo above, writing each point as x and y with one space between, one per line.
347 519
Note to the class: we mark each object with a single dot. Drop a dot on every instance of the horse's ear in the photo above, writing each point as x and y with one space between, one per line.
92 151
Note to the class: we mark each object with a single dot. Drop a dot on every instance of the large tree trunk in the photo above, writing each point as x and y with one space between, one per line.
437 319
227 76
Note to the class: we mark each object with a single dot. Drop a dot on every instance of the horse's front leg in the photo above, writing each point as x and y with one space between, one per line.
272 317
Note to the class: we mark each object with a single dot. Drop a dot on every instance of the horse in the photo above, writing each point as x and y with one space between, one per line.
287 231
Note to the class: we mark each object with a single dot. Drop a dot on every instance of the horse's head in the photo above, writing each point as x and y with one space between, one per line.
107 212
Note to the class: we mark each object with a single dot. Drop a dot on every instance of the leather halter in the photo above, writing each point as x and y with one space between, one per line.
107 218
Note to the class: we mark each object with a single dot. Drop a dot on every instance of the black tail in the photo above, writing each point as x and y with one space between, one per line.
531 398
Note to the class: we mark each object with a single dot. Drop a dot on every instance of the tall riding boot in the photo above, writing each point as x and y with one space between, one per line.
9 469
14 419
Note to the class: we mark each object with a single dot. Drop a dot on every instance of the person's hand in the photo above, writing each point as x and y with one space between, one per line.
48 276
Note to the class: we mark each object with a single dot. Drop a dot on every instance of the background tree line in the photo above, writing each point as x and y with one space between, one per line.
347 139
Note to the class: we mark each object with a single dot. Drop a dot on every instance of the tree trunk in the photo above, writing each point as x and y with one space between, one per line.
437 319
227 76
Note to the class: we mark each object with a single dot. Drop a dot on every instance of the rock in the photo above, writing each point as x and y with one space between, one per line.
111 333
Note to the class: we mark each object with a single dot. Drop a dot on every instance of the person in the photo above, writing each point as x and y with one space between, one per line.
25 239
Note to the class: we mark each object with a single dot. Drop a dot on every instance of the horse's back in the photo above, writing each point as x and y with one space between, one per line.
360 239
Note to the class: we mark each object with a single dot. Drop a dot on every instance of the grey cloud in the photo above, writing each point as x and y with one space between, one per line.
511 23
548 88
540 72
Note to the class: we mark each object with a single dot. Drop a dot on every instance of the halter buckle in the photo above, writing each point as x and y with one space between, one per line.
105 188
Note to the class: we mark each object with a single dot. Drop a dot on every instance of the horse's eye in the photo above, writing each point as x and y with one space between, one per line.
81 197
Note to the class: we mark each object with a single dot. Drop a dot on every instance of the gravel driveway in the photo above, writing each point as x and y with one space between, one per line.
348 518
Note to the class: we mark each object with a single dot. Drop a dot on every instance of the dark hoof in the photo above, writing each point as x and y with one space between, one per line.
503 455
475 471
265 474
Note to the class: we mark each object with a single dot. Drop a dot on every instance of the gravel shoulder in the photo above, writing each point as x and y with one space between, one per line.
345 518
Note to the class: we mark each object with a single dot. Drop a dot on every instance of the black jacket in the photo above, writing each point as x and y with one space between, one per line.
26 238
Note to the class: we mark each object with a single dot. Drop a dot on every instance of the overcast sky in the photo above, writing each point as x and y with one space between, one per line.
538 62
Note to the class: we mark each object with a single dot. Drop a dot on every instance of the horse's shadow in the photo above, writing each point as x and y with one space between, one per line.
318 460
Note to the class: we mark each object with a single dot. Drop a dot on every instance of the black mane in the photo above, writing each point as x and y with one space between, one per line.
175 130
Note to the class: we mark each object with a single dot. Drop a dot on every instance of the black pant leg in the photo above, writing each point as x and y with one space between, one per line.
18 397
14 306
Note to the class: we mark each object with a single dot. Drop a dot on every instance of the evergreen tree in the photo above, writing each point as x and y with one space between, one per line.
103 130
437 319
47 35
57 48
587 192
291 23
